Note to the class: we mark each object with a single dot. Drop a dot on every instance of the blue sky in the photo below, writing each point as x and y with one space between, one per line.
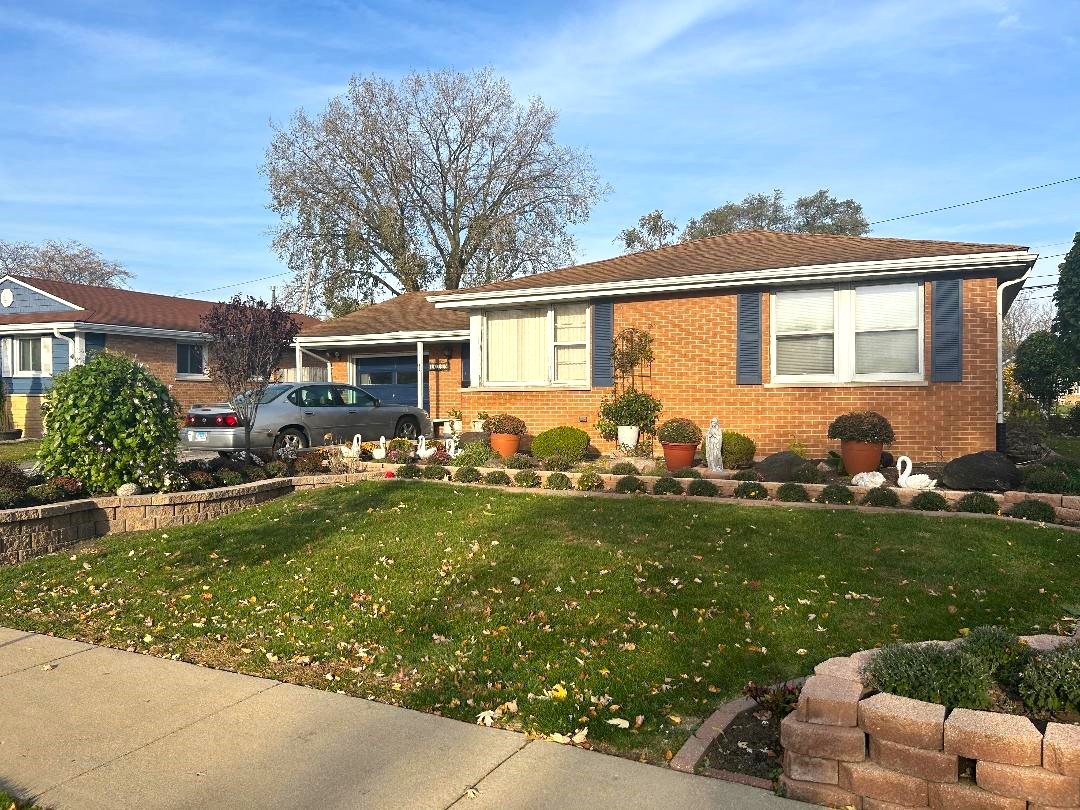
138 128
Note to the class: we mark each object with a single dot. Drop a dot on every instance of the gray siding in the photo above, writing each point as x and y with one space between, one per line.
28 300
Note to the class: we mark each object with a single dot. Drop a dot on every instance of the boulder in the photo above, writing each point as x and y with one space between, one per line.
780 467
987 470
1024 442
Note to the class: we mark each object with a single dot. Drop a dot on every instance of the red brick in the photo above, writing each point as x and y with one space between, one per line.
902 720
826 742
966 796
1032 784
1004 738
868 779
1061 749
830 701
932 765
814 793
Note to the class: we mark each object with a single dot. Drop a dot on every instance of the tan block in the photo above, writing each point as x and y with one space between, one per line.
875 782
810 769
814 793
826 742
932 765
1004 738
1032 784
1070 501
1061 749
966 796
830 701
877 804
914 723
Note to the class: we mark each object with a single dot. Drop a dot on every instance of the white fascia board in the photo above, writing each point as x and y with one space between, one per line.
39 291
783 275
448 335
103 328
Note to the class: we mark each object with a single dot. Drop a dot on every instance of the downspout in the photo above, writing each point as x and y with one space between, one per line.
71 345
300 350
1001 356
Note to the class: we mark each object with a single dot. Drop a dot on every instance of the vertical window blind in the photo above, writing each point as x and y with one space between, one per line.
517 346
570 343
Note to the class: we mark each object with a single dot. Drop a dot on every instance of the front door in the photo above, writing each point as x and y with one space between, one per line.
392 378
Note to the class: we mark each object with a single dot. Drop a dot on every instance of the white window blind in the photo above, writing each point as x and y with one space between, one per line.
570 343
516 350
804 329
887 329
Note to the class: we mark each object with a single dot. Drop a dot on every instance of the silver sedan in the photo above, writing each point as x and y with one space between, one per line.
299 415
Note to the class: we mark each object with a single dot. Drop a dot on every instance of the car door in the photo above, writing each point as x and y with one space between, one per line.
320 413
359 414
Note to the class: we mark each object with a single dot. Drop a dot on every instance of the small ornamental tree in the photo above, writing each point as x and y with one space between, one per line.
1067 303
247 339
1042 370
110 422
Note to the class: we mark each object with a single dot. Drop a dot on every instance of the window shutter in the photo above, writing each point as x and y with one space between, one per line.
603 333
748 339
946 331
47 356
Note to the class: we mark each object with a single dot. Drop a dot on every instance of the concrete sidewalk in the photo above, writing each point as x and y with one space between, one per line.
91 727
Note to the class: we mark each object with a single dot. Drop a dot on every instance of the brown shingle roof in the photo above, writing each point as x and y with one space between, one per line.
109 305
744 250
407 312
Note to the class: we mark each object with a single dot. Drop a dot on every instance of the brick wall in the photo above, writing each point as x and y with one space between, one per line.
160 357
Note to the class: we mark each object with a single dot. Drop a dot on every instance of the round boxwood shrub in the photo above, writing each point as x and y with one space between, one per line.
110 422
410 471
679 431
686 472
518 461
10 499
1033 509
467 475
274 469
435 472
746 475
792 493
1046 479
527 478
929 501
228 478
752 490
623 468
979 503
738 449
628 484
506 424
558 463
568 442
475 454
497 478
835 493
45 493
201 479
12 478
808 474
590 481
881 496
667 486
558 480
702 487
862 426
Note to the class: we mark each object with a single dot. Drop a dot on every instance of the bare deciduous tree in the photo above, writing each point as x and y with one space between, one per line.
1025 317
653 231
440 179
61 261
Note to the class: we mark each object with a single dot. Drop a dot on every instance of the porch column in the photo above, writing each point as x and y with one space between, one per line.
420 375
299 363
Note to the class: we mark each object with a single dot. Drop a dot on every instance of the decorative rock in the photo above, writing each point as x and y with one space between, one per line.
830 701
814 793
127 490
811 769
1032 784
902 720
986 470
868 779
932 765
780 467
966 796
1004 738
1061 749
1045 642
825 742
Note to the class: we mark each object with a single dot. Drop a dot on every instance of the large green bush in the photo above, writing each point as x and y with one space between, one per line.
568 442
737 450
111 422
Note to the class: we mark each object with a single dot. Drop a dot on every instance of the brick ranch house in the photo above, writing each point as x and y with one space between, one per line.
48 326
774 333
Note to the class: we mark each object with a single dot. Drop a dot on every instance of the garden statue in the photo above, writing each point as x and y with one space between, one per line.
450 446
909 481
714 445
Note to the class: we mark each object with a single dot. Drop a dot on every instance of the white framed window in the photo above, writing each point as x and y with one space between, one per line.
31 356
848 333
537 346
190 361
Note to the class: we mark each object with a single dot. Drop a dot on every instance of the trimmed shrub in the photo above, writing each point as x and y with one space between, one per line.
623 468
808 474
201 479
702 487
310 463
276 469
558 480
679 431
738 449
746 475
1033 509
629 484
12 478
475 454
1046 479
1002 651
519 461
979 503
527 478
409 471
792 493
558 463
590 481
440 456
467 475
71 487
497 478
504 423
434 472
10 499
667 486
934 673
228 478
569 442
881 496
686 472
1050 682
862 426
929 502
751 489
631 407
45 493
835 493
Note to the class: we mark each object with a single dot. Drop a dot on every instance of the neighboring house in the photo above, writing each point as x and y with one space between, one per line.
48 326
773 333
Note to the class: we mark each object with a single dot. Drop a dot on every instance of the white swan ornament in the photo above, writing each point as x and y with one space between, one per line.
353 450
868 479
423 452
450 446
379 453
908 481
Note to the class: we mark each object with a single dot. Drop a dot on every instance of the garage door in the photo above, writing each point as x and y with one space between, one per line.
392 379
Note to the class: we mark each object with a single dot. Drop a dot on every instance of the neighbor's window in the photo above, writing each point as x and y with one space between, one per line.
537 346
848 333
28 359
189 359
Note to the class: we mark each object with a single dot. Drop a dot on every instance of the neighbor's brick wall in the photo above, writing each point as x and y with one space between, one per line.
694 376
160 357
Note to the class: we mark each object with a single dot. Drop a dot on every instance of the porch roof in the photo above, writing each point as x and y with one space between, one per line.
407 318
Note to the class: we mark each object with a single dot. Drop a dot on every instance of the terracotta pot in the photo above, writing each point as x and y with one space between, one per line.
678 456
505 444
860 456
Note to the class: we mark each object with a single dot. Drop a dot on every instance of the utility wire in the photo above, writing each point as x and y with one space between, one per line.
982 200
236 284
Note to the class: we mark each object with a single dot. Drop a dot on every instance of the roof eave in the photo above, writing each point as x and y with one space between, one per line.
384 338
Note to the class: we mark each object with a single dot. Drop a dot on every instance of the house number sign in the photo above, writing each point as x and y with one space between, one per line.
439 365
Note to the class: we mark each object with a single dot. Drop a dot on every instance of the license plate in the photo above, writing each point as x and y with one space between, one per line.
197 435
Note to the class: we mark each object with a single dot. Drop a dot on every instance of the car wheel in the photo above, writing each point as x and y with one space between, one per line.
290 439
407 428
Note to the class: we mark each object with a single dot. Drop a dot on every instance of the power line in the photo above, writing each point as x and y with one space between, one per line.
982 200
235 284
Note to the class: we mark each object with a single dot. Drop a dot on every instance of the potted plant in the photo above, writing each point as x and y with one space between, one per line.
862 435
625 416
458 423
7 433
478 421
680 439
506 432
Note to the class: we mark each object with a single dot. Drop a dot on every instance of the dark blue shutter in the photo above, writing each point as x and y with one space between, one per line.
466 378
946 330
748 339
603 333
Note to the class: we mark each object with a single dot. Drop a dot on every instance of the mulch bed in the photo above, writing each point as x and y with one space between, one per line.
749 745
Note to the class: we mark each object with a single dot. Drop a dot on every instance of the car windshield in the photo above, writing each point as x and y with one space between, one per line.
272 392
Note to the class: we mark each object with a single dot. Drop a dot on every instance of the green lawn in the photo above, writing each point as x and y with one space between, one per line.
457 600
1068 446
19 451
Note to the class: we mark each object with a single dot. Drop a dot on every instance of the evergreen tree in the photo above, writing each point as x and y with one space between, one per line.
1067 301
